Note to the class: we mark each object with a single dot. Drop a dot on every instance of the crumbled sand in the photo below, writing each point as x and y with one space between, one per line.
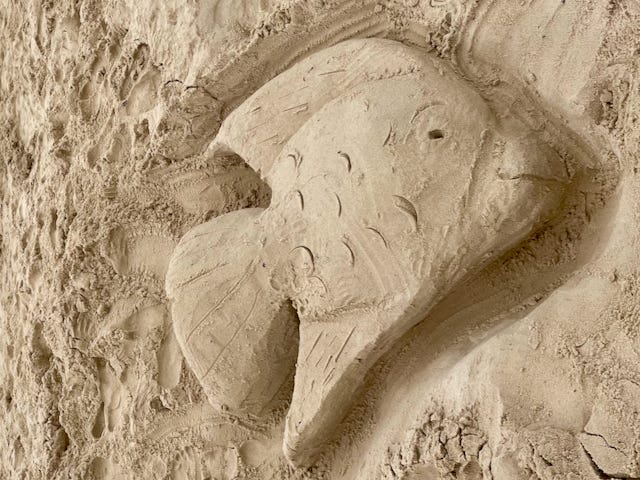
524 361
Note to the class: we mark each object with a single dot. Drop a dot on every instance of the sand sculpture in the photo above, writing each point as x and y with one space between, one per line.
319 240
392 181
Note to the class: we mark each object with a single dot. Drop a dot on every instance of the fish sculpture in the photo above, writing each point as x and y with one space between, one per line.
392 180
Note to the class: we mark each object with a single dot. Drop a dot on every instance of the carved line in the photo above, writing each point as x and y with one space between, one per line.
215 307
246 319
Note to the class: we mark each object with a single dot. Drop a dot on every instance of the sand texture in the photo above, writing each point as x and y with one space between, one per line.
320 239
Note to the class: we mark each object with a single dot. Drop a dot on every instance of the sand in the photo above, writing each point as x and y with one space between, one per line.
322 239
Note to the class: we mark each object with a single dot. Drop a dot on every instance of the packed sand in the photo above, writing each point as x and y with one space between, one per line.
320 239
